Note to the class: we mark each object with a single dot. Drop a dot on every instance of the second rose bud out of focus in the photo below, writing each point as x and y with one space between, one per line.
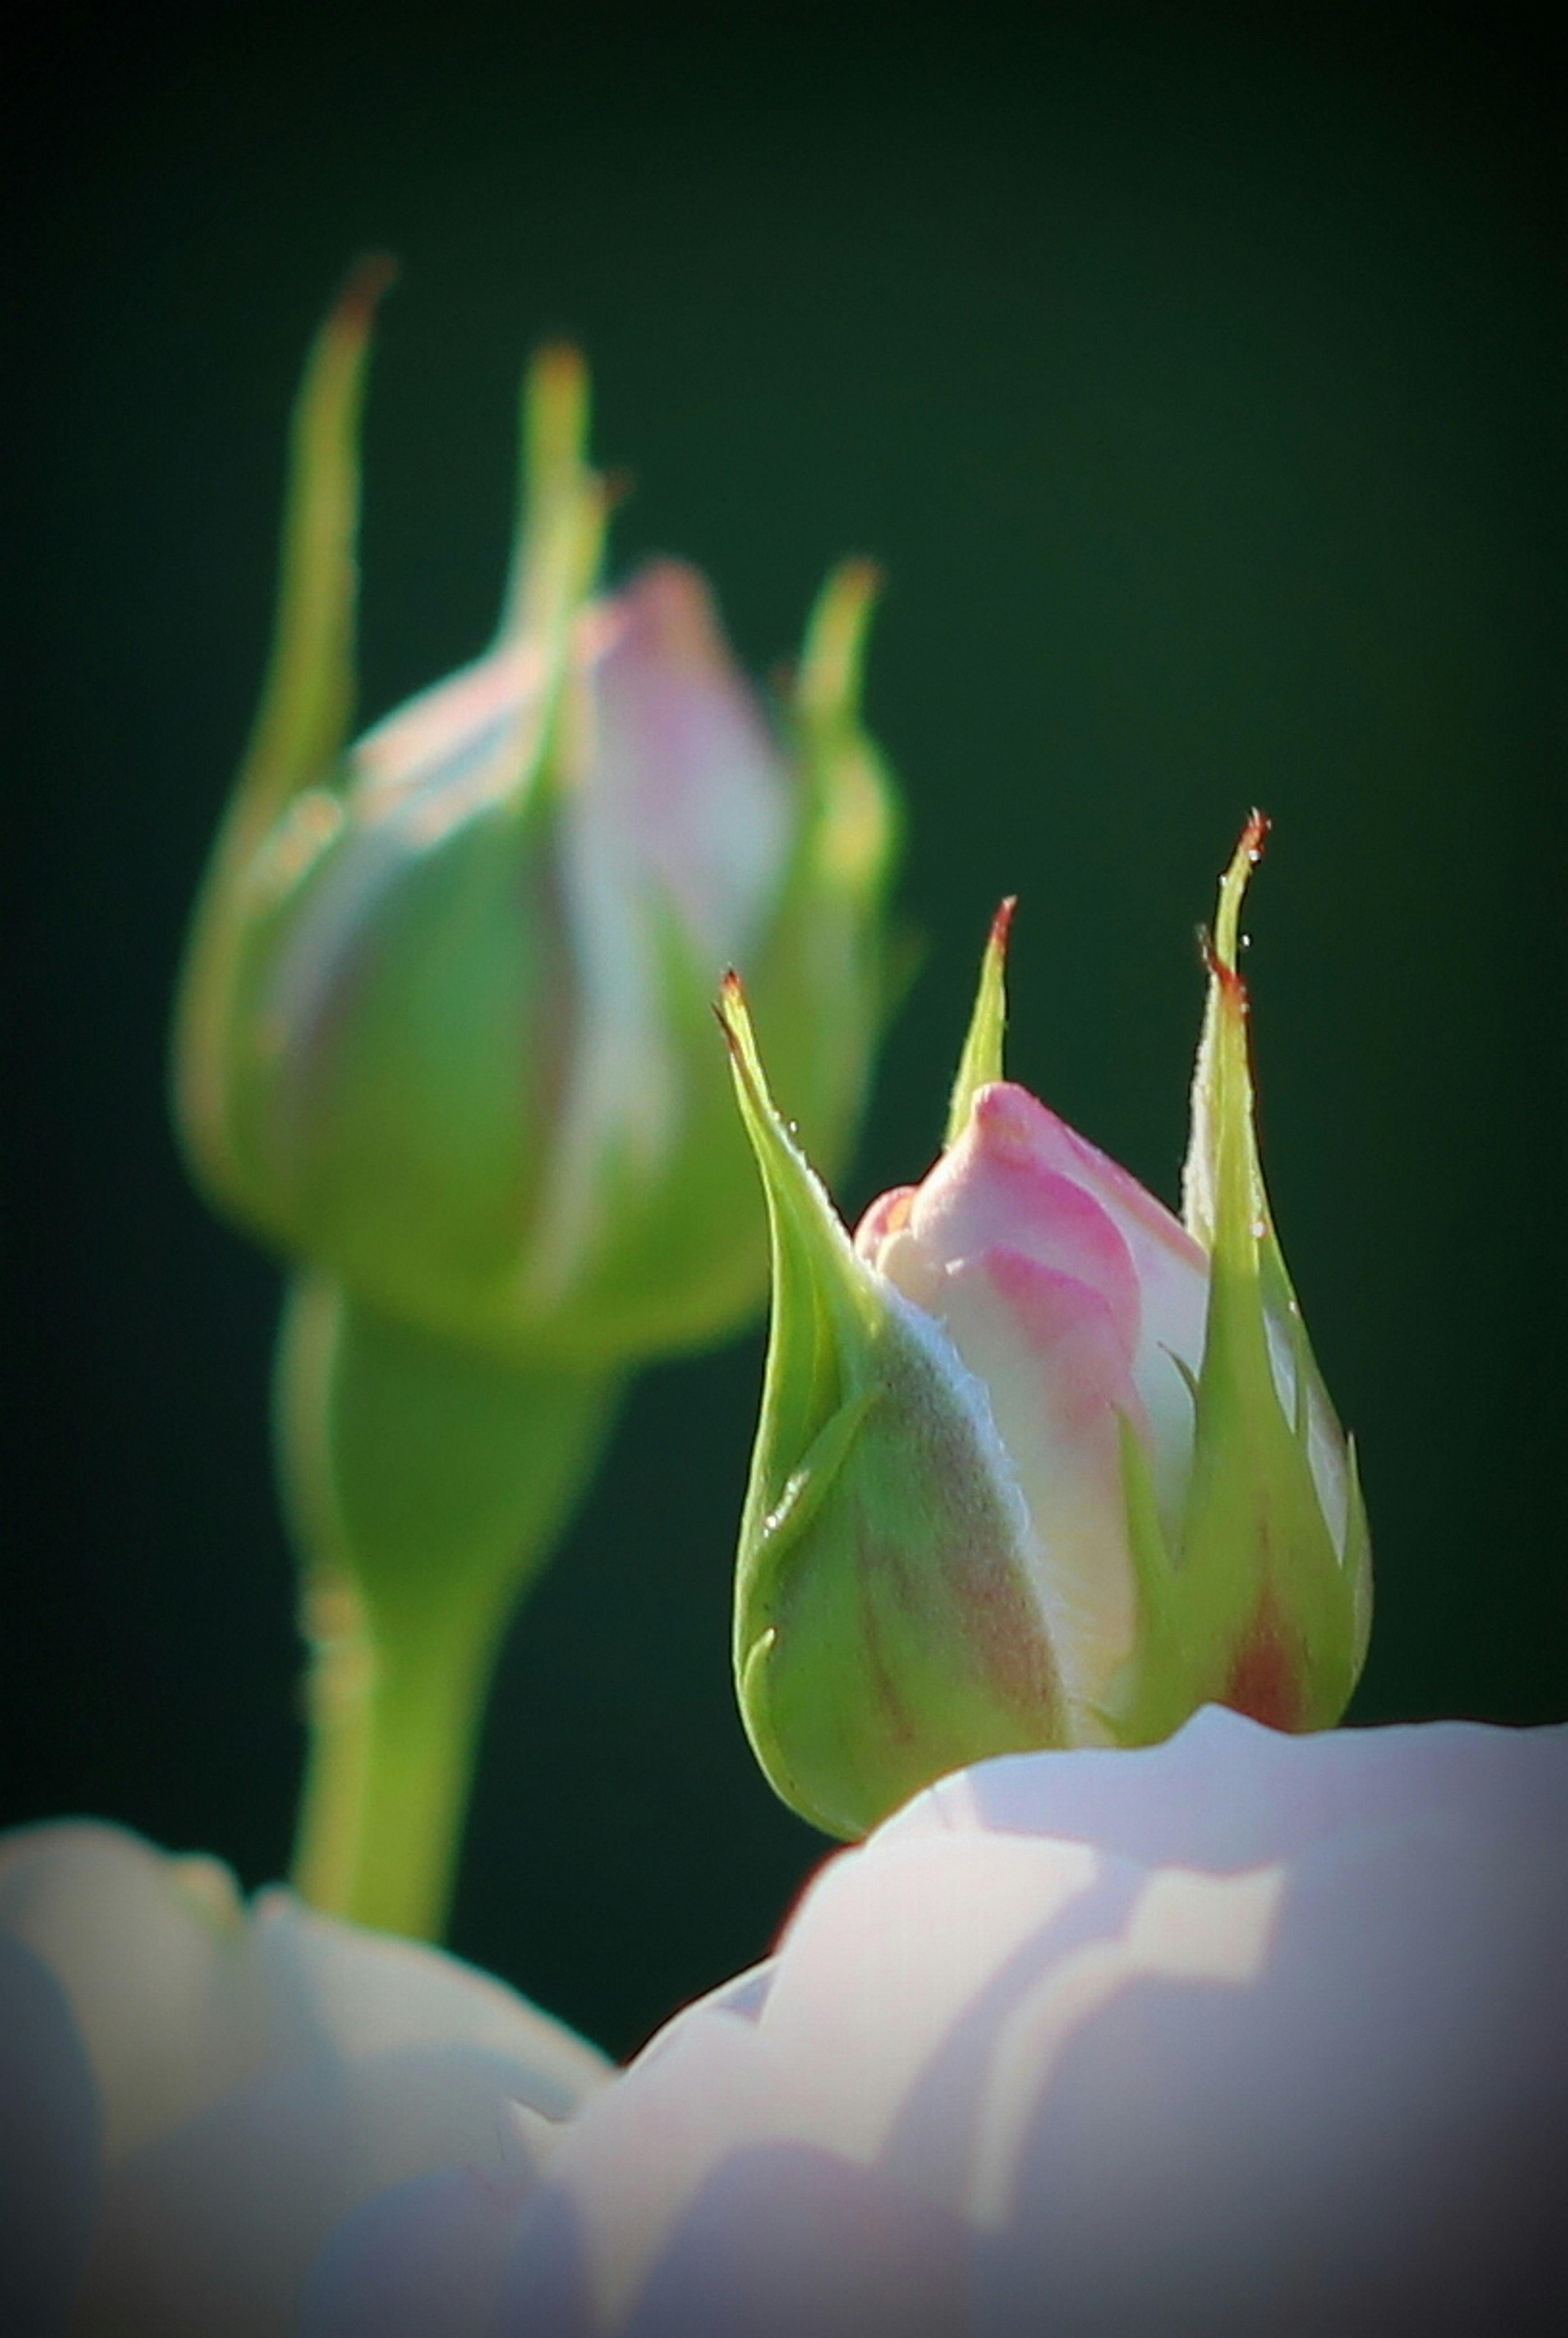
1039 1464
445 1028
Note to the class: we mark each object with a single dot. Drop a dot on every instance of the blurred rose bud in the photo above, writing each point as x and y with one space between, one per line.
444 1031
1038 1465
193 2092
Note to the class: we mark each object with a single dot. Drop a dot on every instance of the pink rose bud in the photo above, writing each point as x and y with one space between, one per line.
444 1032
1039 1464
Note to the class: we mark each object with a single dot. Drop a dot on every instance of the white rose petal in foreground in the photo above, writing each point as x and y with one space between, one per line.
1239 2034
193 2092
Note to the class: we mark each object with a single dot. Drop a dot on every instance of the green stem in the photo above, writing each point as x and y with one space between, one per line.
427 1486
390 1764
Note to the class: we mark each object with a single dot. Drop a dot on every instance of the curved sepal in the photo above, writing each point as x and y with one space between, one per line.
1264 1604
885 1617
819 983
305 711
981 1061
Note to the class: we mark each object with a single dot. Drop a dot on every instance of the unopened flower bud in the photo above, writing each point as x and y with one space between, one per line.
1039 1464
444 1031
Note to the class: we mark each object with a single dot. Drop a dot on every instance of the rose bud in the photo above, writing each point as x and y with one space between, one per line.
443 1032
1038 1464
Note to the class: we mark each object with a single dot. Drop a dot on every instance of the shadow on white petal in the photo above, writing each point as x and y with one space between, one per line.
49 2140
213 2230
886 1954
1003 2085
745 1997
423 2259
788 2240
628 2170
153 1962
1363 2138
1183 1927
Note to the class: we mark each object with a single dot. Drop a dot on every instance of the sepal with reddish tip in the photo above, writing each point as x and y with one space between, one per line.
1261 1600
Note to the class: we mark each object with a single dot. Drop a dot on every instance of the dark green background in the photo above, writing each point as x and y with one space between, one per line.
1193 378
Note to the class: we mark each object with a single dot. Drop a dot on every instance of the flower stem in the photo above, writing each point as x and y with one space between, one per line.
392 1732
427 1486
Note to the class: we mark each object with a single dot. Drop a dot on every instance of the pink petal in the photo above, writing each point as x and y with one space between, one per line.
1059 1374
888 1214
1069 1327
1142 1218
1172 1269
999 1185
682 763
441 730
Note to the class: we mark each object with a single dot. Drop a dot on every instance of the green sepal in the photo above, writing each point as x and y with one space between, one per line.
1256 1607
980 1063
387 1103
821 981
636 1255
1358 1556
558 543
826 1311
886 1630
304 718
393 1028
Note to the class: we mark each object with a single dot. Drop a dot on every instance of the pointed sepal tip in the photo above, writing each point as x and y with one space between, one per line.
980 1063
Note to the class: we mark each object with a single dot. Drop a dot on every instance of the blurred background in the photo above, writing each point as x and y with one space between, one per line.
1191 376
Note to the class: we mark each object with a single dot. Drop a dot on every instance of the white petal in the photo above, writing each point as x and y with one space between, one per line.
197 2093
156 1974
50 2146
1237 2034
1227 1794
214 2228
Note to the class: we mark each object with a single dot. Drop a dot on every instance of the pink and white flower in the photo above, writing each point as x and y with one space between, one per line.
1039 1464
443 1032
1077 1302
